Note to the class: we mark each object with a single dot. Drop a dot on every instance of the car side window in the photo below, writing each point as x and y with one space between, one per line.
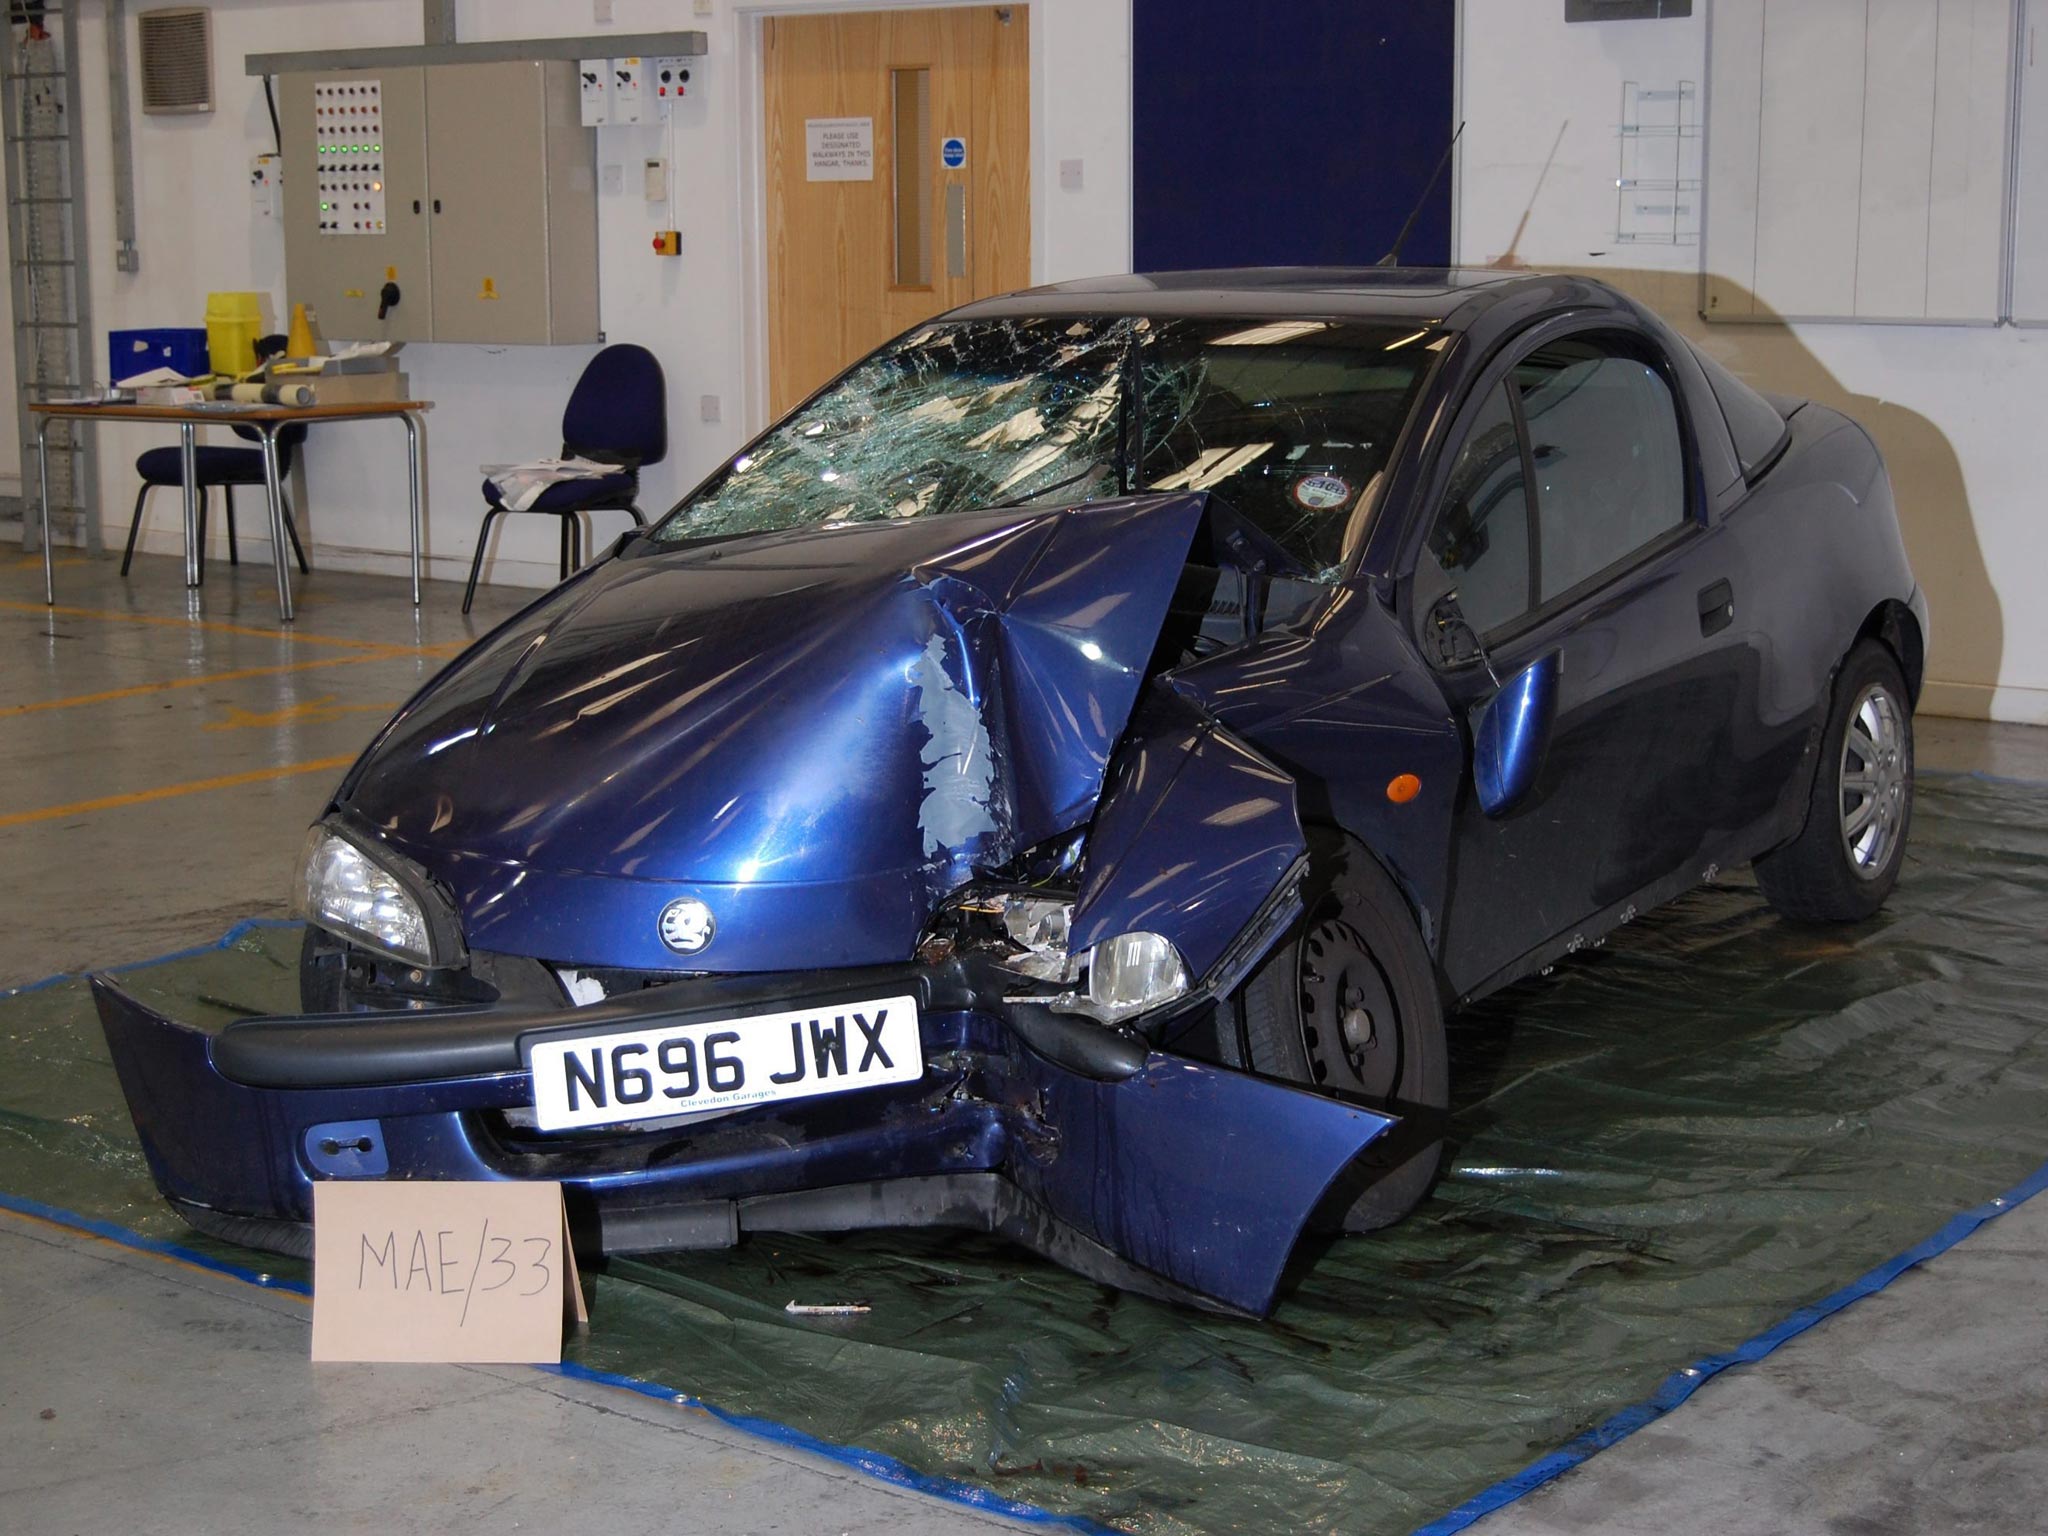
1610 468
1481 537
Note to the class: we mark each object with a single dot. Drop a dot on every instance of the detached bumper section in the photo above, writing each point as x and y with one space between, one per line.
1138 1168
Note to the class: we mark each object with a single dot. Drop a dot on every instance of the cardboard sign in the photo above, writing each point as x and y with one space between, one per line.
839 148
473 1272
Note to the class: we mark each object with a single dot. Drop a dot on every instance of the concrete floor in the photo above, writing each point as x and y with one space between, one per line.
161 756
144 1395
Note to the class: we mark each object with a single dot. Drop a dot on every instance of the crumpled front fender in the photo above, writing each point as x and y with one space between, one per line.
1199 840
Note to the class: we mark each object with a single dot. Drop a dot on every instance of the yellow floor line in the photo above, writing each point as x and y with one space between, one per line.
215 626
172 791
143 690
309 712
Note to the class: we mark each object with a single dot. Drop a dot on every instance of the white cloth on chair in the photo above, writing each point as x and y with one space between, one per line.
521 485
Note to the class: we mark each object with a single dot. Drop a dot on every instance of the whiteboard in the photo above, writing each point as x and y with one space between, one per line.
1857 154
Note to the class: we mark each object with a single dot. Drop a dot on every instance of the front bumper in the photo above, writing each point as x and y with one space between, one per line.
1146 1170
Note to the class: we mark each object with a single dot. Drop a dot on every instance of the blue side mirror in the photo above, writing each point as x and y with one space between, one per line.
1512 734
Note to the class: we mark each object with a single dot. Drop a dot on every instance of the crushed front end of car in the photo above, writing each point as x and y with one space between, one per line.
810 880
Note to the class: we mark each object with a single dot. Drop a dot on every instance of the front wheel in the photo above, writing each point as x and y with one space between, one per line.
1349 1002
1845 861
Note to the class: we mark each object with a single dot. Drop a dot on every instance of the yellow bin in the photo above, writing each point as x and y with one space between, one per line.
233 322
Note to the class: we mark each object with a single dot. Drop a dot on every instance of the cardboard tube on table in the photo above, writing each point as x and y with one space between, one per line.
272 394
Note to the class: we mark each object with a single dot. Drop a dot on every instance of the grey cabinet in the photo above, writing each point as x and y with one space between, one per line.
469 186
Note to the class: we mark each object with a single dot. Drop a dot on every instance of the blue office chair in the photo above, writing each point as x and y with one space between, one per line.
618 414
226 468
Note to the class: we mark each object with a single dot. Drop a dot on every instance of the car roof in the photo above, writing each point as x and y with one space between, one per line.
1419 295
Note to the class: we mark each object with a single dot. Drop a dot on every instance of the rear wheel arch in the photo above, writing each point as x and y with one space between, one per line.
1816 876
1893 625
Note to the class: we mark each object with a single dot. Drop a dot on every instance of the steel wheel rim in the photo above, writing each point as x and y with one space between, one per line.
1350 1027
1873 782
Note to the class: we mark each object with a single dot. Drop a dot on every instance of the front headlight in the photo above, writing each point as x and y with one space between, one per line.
342 889
1029 932
1130 974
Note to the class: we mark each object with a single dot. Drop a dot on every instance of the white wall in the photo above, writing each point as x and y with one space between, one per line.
1956 409
492 404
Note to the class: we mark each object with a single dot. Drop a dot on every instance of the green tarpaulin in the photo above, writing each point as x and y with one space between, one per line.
1660 1150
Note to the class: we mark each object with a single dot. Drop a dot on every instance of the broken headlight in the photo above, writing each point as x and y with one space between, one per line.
1038 926
1028 933
1021 931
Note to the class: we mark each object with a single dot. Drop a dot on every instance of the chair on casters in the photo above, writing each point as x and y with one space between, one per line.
226 468
618 414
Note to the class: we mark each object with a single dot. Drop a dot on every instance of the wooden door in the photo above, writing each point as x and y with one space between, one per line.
899 177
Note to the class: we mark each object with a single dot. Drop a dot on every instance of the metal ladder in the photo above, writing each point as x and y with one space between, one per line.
43 146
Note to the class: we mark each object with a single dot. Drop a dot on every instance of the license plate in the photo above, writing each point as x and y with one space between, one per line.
682 1069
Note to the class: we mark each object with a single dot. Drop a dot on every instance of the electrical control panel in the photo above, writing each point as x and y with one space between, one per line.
594 91
348 129
627 77
332 266
441 202
264 175
668 78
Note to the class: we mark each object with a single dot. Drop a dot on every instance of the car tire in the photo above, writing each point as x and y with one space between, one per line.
1845 860
1355 951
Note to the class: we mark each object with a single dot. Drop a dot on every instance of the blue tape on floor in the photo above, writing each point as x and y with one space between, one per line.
885 1469
58 1216
1681 1384
225 941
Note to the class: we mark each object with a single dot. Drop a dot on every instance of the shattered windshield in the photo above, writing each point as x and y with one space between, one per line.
1290 421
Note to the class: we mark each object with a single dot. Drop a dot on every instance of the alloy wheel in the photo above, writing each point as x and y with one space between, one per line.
1873 781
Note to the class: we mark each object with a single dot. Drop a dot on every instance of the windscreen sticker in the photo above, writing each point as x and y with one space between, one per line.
1321 492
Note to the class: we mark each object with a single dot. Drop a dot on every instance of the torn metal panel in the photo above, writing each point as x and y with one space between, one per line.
957 813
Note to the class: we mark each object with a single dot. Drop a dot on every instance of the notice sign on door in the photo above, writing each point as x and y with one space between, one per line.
442 1271
840 148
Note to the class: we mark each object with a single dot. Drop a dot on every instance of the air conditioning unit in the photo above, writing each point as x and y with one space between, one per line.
177 59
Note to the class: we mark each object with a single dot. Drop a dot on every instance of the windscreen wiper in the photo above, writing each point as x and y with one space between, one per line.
1058 485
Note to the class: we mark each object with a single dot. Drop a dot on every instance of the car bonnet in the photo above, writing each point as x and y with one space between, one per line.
857 718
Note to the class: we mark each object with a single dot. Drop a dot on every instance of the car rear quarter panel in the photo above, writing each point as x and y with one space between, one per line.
1818 555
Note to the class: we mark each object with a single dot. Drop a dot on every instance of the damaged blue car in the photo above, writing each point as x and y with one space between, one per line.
1057 781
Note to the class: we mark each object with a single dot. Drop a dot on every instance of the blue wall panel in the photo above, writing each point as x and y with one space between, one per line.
1289 132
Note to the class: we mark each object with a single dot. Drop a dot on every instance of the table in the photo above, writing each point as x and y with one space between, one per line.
268 420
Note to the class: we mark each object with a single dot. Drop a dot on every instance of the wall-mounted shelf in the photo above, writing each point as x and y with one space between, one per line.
647 45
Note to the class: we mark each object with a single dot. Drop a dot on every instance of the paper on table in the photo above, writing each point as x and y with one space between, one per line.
113 396
152 378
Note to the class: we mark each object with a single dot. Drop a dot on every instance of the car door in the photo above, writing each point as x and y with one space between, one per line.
1571 527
